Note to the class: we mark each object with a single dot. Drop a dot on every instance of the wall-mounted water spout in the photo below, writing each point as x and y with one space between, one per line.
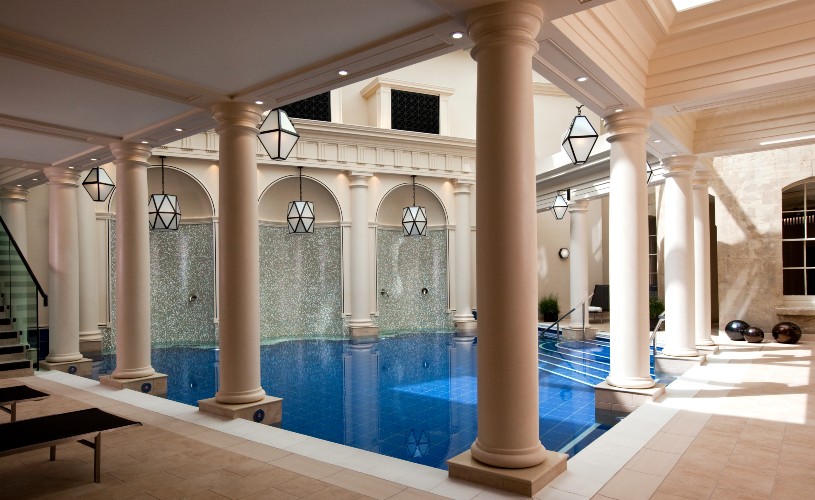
425 291
384 293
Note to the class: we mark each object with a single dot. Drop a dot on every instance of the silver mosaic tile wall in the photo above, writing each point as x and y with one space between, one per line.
181 265
300 283
406 265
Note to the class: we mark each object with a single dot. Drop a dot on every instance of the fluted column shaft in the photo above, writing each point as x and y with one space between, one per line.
88 270
360 288
13 208
239 257
63 266
132 261
504 36
701 256
628 250
680 321
578 261
464 309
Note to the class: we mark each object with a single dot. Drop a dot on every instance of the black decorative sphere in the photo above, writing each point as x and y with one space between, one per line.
787 333
735 329
754 335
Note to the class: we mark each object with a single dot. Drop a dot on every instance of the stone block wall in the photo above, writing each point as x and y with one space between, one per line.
748 189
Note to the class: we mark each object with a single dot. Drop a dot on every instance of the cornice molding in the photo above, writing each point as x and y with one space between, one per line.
390 83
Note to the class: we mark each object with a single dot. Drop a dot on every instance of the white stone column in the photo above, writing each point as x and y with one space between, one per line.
701 256
628 251
90 339
13 209
63 266
504 36
360 322
578 261
239 256
132 262
464 310
680 322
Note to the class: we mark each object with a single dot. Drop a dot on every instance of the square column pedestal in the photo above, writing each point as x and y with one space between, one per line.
467 328
677 365
81 367
521 481
708 349
91 349
364 332
155 384
611 402
570 333
268 410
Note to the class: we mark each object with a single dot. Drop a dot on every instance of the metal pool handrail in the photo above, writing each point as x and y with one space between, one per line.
653 338
557 323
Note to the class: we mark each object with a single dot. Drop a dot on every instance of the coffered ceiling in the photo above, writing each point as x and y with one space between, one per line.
79 75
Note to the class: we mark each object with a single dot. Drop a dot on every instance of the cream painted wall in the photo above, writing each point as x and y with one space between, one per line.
553 115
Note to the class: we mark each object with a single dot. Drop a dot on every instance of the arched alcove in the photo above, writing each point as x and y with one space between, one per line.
300 274
182 265
412 270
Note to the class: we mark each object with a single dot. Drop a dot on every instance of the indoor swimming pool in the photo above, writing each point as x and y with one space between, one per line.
409 396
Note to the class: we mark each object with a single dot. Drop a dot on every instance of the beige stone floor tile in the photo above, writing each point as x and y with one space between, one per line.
684 426
412 494
717 440
245 486
669 443
302 486
270 494
666 496
631 485
790 491
689 483
258 451
747 479
653 462
217 438
704 459
724 494
748 455
306 466
762 439
365 484
205 495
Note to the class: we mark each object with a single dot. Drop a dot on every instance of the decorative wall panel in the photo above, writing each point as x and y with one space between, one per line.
406 266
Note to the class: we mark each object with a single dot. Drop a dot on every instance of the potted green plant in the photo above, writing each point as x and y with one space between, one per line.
548 307
655 308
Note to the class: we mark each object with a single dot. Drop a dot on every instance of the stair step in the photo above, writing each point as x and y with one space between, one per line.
12 349
10 334
14 365
5 321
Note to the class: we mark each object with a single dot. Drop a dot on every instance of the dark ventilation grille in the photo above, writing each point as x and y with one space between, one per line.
414 112
317 107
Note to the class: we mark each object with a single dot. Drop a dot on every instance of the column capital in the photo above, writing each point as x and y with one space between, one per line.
627 123
580 206
701 179
513 21
14 193
236 114
679 165
359 179
463 186
130 151
62 175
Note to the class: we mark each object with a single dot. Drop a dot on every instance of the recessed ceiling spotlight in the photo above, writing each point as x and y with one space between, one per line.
93 159
258 102
456 35
144 142
618 110
71 167
19 185
581 79
342 72
179 130
657 140
34 179
672 156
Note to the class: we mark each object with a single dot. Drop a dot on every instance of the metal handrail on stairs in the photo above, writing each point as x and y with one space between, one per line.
583 323
653 339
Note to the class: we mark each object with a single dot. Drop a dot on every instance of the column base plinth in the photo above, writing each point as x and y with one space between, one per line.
268 410
677 365
576 333
470 327
369 331
155 384
91 348
526 481
707 349
611 401
81 367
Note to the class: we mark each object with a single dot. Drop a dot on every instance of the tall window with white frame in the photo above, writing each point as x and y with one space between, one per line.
653 279
798 238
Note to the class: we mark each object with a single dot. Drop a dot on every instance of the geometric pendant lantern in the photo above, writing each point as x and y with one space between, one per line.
650 173
414 218
98 184
163 208
278 135
579 139
300 214
561 204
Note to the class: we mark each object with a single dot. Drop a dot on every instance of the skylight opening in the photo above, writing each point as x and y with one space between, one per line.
681 5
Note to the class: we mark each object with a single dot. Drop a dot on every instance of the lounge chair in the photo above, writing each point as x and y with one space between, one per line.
52 430
14 394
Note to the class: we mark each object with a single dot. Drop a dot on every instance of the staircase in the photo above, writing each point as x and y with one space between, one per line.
13 359
583 361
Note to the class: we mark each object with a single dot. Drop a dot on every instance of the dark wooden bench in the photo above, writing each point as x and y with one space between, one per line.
12 395
52 430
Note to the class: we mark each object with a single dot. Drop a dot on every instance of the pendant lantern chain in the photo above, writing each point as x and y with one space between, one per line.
301 183
162 174
414 190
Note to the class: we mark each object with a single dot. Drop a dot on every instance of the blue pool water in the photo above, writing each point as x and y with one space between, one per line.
411 396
